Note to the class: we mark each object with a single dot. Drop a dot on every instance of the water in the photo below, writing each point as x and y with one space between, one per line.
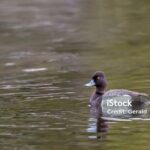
48 51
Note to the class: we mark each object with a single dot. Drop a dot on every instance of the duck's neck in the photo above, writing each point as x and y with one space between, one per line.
100 91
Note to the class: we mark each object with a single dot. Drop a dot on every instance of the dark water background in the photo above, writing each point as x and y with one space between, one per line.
48 50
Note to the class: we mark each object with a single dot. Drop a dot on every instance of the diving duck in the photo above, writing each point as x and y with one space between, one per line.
100 82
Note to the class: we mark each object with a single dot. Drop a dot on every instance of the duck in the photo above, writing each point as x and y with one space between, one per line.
100 82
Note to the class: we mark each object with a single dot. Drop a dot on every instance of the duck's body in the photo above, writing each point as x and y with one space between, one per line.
99 80
96 98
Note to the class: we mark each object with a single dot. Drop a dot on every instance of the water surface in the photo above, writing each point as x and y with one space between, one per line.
48 51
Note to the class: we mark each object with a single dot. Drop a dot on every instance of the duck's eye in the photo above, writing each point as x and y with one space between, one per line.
98 78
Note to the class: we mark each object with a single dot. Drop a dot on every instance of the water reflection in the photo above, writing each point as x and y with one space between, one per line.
97 124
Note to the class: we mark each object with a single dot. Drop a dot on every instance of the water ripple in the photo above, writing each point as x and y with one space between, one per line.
34 70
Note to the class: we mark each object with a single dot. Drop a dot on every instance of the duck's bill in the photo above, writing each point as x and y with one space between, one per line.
91 83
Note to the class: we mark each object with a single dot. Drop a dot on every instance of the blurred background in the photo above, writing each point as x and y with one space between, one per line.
48 50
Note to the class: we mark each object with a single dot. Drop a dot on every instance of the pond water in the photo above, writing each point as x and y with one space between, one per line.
48 51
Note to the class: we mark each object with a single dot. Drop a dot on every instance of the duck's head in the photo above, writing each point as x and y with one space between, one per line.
98 80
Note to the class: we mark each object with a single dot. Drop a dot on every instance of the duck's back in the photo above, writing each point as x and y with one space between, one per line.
119 92
136 96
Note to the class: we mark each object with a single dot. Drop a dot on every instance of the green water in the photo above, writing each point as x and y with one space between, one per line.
48 51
